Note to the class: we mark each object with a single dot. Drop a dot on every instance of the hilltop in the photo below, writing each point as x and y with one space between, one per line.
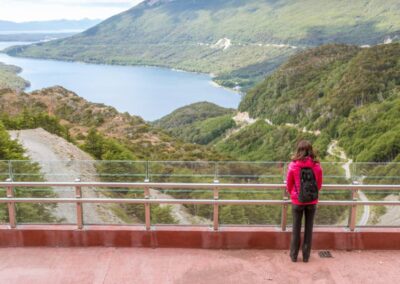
240 41
199 123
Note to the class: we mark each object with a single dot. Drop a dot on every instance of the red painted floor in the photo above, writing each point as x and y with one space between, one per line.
140 265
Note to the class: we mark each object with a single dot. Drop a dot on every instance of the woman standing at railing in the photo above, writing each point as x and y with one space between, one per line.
304 180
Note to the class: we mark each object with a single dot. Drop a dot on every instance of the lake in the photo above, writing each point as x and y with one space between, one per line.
149 92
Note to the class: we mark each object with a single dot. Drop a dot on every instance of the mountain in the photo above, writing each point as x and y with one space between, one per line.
240 41
344 92
54 25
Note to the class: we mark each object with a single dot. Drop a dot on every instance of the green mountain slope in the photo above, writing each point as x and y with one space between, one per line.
262 142
250 37
346 92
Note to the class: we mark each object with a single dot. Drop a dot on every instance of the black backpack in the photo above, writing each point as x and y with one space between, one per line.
308 186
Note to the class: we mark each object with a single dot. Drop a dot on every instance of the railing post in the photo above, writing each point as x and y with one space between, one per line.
11 206
284 211
353 211
216 208
79 205
147 210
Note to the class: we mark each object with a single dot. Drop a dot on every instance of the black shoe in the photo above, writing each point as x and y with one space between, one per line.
305 259
294 259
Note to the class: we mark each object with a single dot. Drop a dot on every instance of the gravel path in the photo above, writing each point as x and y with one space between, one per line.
57 159
335 150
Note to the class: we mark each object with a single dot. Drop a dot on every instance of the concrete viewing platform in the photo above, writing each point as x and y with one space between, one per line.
176 265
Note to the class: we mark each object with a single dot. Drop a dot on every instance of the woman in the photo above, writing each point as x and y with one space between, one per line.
304 160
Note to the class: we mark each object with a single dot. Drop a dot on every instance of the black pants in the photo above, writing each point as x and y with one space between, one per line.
309 213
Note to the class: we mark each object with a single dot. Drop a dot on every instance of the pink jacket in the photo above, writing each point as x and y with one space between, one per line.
293 178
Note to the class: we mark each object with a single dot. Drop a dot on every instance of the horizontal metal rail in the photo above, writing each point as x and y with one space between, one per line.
11 200
190 201
194 186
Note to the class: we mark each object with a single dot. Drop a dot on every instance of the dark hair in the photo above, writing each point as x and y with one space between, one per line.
304 149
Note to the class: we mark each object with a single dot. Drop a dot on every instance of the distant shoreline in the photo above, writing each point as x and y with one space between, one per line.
211 75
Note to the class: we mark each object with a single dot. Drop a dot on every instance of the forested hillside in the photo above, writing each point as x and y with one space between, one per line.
238 40
232 134
345 92
199 123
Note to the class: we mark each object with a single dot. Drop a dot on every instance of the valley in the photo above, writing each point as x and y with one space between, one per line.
329 80
240 41
128 88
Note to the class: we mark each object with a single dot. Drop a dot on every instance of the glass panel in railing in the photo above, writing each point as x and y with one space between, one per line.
337 172
25 170
378 173
335 215
5 170
182 214
114 171
379 215
182 171
251 172
250 214
40 212
44 213
112 213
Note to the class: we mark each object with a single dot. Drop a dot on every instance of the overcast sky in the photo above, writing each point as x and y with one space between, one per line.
41 10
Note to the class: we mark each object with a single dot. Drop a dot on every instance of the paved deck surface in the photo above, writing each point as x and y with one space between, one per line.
138 265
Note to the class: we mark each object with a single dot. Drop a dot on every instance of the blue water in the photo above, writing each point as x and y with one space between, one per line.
149 92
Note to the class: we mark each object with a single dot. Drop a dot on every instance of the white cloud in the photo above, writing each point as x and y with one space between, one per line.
40 10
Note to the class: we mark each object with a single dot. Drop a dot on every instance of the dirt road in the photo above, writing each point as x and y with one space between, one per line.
59 161
336 151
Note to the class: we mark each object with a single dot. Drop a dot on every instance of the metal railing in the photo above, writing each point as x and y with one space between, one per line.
192 171
78 200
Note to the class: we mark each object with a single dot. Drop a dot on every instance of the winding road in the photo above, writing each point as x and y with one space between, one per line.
336 151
